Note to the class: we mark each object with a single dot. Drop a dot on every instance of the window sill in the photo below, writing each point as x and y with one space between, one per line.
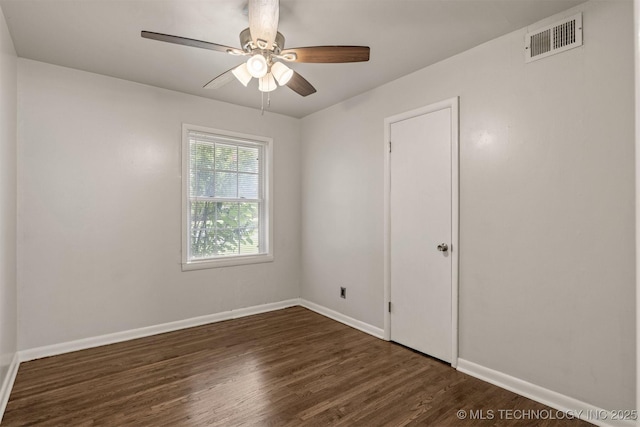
227 262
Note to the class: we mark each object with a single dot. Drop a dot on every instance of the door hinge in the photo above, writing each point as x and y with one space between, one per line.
389 146
389 306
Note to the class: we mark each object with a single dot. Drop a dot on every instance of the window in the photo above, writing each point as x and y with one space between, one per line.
226 209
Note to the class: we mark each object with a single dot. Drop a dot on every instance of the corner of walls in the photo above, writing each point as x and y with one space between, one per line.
8 215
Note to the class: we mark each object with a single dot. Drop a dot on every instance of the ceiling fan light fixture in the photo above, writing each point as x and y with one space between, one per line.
282 73
264 47
267 83
257 66
242 74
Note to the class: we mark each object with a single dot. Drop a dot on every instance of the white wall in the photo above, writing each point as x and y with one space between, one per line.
636 36
8 302
546 206
99 209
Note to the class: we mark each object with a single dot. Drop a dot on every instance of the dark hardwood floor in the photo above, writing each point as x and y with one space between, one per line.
285 368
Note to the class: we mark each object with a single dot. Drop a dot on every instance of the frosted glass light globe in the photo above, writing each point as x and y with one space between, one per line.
242 74
282 73
257 66
267 83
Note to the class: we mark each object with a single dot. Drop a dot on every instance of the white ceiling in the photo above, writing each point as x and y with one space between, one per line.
103 36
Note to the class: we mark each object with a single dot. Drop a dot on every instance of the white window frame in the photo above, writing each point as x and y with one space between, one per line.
267 164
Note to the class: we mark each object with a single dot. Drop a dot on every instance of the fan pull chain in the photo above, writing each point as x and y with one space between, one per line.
262 102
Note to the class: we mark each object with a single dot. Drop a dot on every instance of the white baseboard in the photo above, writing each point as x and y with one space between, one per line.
550 398
7 384
349 321
569 405
85 343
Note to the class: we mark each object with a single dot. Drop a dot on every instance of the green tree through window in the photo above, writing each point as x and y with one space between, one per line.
226 196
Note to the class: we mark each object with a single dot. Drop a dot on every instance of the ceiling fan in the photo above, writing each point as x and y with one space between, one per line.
264 46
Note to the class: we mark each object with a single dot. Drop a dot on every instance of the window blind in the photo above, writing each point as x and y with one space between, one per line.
226 196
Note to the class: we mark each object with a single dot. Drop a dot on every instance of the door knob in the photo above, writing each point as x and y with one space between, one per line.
443 247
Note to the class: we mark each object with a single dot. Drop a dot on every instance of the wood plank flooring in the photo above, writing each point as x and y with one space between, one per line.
289 367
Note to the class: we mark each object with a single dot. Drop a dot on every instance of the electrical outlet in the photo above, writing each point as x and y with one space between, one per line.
343 292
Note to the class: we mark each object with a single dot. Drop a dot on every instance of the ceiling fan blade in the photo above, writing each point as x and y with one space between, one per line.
328 54
189 42
300 85
221 80
263 22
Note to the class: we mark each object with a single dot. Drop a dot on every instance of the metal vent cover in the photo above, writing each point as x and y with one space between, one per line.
555 38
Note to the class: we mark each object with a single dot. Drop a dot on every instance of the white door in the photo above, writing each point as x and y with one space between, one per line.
420 226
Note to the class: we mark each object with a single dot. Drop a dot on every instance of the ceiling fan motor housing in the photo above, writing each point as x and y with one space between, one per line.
248 46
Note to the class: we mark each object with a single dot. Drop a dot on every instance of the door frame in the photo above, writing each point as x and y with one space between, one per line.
451 103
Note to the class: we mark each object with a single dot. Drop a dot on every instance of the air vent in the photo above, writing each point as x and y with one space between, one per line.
555 38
